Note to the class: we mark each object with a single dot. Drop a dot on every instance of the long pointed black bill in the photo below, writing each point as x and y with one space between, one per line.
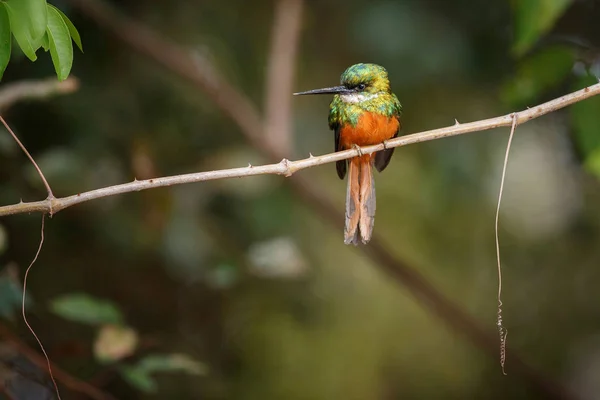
329 90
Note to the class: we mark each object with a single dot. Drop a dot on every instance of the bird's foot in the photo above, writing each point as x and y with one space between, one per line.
358 150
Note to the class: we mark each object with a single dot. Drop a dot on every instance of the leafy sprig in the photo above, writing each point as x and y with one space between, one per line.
35 24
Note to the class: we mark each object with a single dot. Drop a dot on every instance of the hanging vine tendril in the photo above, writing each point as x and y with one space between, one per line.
502 331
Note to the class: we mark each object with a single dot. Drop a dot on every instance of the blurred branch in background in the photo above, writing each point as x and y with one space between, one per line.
238 107
280 74
62 376
12 93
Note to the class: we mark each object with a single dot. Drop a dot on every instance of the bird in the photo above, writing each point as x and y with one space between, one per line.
364 111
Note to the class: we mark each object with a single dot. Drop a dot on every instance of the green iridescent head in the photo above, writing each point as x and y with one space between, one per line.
370 78
359 78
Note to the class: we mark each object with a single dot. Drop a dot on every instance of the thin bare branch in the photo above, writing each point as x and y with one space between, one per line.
287 168
73 383
40 173
15 92
280 75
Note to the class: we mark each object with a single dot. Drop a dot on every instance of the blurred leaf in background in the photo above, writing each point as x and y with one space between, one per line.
81 307
115 342
585 117
536 74
11 291
5 39
532 19
140 375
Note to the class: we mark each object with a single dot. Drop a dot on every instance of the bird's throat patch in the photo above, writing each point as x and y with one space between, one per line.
356 98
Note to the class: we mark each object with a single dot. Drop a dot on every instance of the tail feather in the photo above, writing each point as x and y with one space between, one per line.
351 233
360 201
367 201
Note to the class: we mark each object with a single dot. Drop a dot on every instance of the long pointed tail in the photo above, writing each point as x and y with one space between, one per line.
360 201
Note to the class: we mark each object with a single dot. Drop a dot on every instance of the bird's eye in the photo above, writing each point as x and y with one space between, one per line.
362 86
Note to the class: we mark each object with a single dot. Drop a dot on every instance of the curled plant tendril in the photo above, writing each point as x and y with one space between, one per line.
25 315
502 331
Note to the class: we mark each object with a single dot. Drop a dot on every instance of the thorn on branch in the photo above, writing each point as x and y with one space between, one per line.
456 122
287 172
249 165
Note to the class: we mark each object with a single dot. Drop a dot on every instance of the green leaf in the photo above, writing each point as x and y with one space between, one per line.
18 24
585 116
46 42
84 308
138 378
72 30
61 48
171 362
5 39
534 18
33 16
536 73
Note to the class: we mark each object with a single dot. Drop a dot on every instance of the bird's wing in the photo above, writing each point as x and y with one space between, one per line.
334 125
382 158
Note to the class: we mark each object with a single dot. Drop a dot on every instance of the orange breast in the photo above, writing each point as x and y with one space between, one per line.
371 128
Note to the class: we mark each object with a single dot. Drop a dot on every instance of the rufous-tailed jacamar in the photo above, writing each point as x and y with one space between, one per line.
364 111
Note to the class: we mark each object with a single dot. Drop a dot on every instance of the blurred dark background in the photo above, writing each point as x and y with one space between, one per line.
246 283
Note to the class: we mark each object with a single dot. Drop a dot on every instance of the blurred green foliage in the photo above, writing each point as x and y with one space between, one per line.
140 374
246 277
11 296
536 74
5 40
534 18
116 341
81 307
585 117
36 24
